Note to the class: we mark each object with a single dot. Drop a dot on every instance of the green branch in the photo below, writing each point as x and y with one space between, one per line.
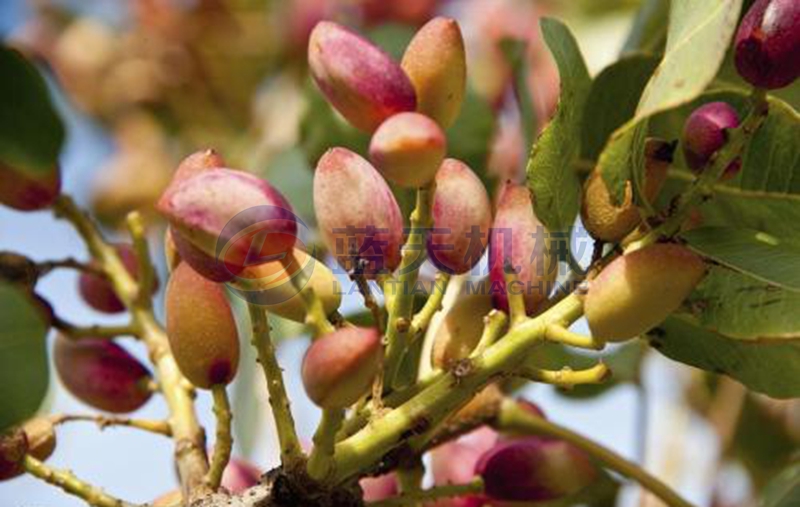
321 461
189 437
67 481
291 453
419 417
402 302
146 273
513 418
224 442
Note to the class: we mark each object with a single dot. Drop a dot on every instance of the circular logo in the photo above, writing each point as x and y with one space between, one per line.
262 249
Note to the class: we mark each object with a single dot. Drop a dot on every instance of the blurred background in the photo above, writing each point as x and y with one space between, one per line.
142 83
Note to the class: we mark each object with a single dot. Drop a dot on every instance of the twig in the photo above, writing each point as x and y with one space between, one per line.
101 332
67 481
145 275
291 453
567 377
366 292
315 310
421 321
516 301
493 326
560 334
321 461
514 418
224 441
46 267
103 421
436 493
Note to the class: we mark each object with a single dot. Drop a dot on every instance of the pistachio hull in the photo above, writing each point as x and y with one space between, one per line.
201 329
637 291
462 217
357 213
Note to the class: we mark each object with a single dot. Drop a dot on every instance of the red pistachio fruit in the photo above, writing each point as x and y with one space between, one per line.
454 463
519 240
379 488
704 134
225 213
412 12
534 469
196 163
97 290
102 374
767 44
357 212
340 367
240 475
359 79
26 192
201 328
462 216
408 149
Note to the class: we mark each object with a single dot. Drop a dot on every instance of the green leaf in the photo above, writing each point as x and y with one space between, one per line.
742 307
31 133
765 366
23 355
697 37
754 253
516 52
622 160
649 31
783 490
613 99
550 176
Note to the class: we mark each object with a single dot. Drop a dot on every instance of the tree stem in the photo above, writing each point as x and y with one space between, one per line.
514 418
224 442
291 453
